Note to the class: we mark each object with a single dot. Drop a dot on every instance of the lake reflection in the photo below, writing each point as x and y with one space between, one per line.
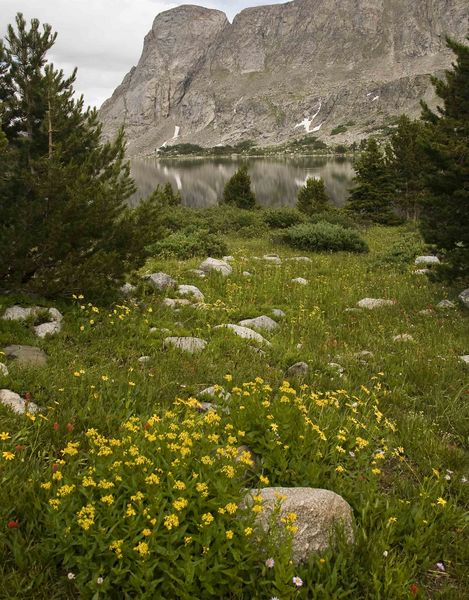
275 180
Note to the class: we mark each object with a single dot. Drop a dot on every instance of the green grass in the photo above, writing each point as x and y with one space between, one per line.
421 385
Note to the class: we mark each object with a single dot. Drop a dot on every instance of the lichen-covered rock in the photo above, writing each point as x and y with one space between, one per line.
18 313
161 281
318 514
16 403
26 356
215 264
372 303
274 259
299 369
262 322
277 312
191 345
176 302
45 329
427 260
245 333
190 290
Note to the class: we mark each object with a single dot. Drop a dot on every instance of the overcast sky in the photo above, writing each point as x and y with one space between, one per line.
103 38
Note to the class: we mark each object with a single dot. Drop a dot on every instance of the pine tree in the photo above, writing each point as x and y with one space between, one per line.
371 198
64 224
238 191
445 211
406 164
312 197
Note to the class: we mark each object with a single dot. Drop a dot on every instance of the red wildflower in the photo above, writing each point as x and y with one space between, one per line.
414 589
56 426
70 427
19 447
55 467
13 524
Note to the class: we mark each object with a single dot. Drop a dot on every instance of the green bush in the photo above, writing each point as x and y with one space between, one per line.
312 197
184 245
403 252
238 191
335 217
323 237
281 218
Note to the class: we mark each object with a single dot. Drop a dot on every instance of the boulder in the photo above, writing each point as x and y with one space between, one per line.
18 313
17 403
299 369
371 303
55 314
4 370
262 322
186 344
245 333
403 337
446 304
176 302
51 328
464 297
363 356
190 290
214 264
318 514
277 312
144 359
161 281
427 260
128 289
27 356
465 359
274 259
300 280
339 369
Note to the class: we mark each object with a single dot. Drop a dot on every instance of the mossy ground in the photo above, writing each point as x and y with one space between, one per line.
93 379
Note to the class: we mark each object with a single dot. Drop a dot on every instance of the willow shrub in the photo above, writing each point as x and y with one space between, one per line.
321 237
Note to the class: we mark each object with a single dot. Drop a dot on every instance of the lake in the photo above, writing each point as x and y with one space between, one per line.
275 180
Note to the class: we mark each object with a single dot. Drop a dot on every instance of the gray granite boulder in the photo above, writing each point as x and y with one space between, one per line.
427 260
215 264
464 297
245 333
403 337
45 329
26 356
191 345
161 281
16 403
277 312
300 281
262 322
465 359
299 369
273 259
190 290
444 304
128 289
372 303
176 302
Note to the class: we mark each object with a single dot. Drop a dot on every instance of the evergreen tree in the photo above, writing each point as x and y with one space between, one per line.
370 199
64 224
312 197
407 164
445 211
238 191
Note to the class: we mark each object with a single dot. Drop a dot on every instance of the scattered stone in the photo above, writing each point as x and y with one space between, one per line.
353 310
427 312
300 280
204 407
319 513
161 281
273 259
464 297
163 330
277 312
301 259
4 370
17 403
128 289
465 359
144 359
55 314
336 367
427 260
421 272
45 329
446 304
176 302
198 273
228 258
247 274
191 290
364 355
299 369
215 392
245 333
18 313
214 264
26 355
371 303
186 344
404 337
299 346
262 322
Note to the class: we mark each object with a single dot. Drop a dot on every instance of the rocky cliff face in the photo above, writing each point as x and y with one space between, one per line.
283 71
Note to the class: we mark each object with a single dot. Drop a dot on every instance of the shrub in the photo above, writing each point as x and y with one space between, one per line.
403 252
312 197
281 218
323 237
184 245
238 191
335 217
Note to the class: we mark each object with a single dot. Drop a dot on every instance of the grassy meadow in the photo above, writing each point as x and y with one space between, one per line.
148 500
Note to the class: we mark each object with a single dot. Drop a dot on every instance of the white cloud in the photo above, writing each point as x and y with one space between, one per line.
103 38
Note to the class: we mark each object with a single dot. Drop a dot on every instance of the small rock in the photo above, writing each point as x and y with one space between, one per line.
336 367
245 333
128 289
161 281
45 329
299 369
26 355
18 313
176 302
144 359
371 303
262 322
446 304
273 259
403 337
318 513
300 280
215 392
247 274
301 259
277 312
422 272
427 312
4 370
464 297
214 264
427 260
198 273
186 344
364 355
353 310
228 258
204 407
190 290
17 403
465 359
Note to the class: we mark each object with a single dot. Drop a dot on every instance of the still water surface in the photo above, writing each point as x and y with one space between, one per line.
275 180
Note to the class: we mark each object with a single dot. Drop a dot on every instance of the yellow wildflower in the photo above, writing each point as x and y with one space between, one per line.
229 535
8 455
4 436
142 549
171 521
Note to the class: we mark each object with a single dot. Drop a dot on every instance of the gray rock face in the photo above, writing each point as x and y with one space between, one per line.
161 281
464 297
26 356
186 344
283 71
318 513
214 264
17 403
245 333
262 322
